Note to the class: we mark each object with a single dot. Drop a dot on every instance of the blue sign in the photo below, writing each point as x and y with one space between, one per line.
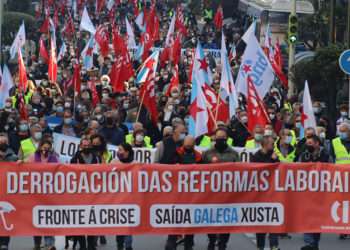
344 62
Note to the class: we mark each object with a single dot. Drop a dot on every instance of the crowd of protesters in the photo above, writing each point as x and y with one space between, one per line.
57 108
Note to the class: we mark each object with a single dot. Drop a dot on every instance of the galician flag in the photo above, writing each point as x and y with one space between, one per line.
150 65
19 41
307 117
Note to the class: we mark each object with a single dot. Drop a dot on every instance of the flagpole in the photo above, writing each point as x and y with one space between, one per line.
140 106
217 106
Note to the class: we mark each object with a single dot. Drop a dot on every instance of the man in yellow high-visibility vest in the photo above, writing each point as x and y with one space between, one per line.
340 149
30 145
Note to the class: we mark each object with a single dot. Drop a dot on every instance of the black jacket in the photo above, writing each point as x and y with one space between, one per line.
260 156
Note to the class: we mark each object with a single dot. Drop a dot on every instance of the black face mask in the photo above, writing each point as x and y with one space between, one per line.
98 148
221 145
188 149
109 120
309 148
3 147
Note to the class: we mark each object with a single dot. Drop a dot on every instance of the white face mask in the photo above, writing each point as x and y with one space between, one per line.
170 107
139 138
322 135
344 113
268 133
244 119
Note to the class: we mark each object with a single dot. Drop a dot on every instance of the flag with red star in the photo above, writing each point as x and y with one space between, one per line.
87 53
256 65
148 67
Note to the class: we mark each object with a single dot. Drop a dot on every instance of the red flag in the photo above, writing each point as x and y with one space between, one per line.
180 21
147 91
55 18
99 5
279 73
45 26
255 108
174 82
52 72
76 78
69 28
42 50
117 42
23 113
176 50
278 55
102 38
95 97
219 18
22 74
164 56
114 75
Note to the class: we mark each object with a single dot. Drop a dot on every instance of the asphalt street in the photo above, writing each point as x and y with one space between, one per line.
237 242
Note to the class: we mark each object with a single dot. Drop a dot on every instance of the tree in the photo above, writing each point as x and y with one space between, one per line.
324 76
19 6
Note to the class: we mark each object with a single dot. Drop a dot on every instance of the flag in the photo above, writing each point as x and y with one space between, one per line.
130 33
99 5
174 82
268 43
87 53
148 67
140 21
227 86
277 65
170 35
19 41
278 55
6 85
76 78
149 99
69 29
95 97
86 23
45 26
22 74
102 38
233 54
176 51
307 117
198 123
249 32
219 18
255 108
110 4
199 113
62 52
55 17
180 21
52 30
23 113
52 71
257 66
43 51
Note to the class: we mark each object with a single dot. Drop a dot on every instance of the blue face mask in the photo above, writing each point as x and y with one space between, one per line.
288 140
343 135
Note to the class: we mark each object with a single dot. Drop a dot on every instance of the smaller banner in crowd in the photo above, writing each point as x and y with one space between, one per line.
67 146
128 199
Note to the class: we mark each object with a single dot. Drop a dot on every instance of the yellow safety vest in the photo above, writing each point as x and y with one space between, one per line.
289 158
27 99
206 142
28 148
342 156
294 138
208 14
129 138
250 144
107 156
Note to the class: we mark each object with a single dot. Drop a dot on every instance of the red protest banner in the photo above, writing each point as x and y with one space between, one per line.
48 199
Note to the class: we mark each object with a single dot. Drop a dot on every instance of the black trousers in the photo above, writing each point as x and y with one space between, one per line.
90 240
171 242
222 240
4 241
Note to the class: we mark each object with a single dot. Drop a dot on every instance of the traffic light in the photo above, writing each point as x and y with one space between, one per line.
293 29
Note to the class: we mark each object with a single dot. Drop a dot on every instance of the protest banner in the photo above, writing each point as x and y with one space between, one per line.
67 146
48 199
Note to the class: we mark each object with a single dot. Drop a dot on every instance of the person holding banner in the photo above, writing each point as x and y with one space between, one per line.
86 155
266 155
220 152
125 155
313 153
188 155
44 154
99 147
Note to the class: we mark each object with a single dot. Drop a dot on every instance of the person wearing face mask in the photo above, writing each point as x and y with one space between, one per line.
276 123
110 131
258 135
130 138
205 140
86 155
344 116
67 127
44 154
341 145
284 148
99 147
313 153
220 152
238 129
17 135
139 141
266 154
30 145
300 148
36 103
125 155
